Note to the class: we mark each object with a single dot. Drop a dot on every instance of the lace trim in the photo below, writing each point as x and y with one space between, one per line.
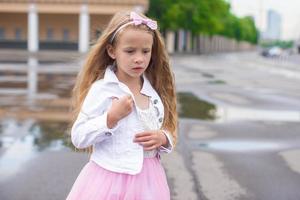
148 119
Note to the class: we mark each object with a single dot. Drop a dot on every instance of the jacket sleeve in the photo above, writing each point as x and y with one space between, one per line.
90 126
170 145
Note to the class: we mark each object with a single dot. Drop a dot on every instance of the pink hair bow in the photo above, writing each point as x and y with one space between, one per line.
137 20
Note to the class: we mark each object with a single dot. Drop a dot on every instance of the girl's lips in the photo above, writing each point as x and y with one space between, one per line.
137 68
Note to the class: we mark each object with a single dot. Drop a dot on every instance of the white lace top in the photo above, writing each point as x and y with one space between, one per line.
148 119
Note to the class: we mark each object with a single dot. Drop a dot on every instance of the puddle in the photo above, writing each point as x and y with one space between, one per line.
240 146
58 80
50 136
13 159
232 114
24 61
190 106
34 113
207 75
216 82
22 141
45 135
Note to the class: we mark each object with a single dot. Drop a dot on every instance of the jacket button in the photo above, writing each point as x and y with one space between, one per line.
155 101
108 133
160 120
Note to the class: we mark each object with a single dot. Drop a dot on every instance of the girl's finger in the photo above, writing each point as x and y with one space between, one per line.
142 139
148 144
142 134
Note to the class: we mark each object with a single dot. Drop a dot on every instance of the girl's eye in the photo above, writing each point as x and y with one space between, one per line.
146 51
129 51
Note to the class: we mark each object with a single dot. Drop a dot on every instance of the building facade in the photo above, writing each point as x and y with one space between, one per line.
273 31
58 24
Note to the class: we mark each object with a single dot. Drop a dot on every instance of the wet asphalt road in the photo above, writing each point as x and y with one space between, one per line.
248 150
251 150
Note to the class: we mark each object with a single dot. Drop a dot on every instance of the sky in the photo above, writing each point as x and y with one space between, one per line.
288 9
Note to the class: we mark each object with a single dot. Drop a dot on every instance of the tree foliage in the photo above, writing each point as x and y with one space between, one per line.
279 43
203 16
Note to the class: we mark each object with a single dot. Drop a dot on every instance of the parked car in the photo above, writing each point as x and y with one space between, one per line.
272 52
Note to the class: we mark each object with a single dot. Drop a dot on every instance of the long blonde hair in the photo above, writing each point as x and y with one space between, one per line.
158 71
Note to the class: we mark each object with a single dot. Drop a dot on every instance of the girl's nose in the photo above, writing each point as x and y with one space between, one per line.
138 58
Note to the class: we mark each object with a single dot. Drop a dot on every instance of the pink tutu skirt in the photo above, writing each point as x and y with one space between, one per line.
96 183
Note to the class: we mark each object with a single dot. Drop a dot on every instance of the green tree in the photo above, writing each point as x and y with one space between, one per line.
202 16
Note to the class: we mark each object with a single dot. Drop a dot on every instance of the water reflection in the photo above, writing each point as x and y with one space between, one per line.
207 75
216 82
190 106
240 146
231 114
43 93
50 136
21 141
14 158
37 81
37 119
45 135
32 78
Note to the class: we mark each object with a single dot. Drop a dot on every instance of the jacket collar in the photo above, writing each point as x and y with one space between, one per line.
110 77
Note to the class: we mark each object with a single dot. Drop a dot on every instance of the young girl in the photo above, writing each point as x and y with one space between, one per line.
125 103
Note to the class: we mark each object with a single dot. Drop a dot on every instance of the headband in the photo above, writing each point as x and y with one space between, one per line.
136 20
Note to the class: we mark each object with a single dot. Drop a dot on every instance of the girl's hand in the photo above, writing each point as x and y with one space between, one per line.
151 140
119 109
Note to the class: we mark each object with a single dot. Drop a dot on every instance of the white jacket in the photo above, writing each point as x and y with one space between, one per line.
114 149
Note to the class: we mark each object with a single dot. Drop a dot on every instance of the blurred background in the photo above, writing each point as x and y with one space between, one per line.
237 70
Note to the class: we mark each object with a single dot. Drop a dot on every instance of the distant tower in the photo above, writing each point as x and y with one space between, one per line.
274 26
298 46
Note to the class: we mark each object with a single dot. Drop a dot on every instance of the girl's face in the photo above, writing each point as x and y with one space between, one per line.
132 52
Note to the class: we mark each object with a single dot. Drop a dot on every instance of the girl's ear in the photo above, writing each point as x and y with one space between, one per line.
111 51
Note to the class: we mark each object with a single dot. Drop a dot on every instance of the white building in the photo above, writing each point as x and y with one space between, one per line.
58 24
274 21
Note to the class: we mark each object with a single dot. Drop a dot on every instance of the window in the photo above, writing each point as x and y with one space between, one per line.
2 33
49 35
98 33
66 34
18 34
